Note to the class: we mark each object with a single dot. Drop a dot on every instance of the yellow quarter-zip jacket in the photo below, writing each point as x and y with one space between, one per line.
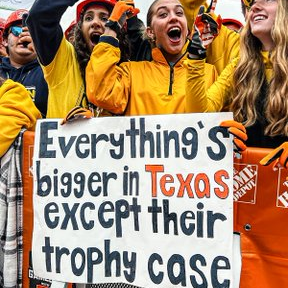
220 92
138 88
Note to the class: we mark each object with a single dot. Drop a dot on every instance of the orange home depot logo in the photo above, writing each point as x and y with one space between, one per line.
244 183
282 189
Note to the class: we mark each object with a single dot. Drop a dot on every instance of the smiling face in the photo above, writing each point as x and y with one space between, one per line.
94 20
262 17
168 28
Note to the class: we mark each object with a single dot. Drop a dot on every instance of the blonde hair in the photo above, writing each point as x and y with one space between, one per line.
249 77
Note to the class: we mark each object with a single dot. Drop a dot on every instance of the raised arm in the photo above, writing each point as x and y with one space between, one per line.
107 84
205 30
44 26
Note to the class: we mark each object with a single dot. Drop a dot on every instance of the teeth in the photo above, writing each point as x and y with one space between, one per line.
174 29
259 18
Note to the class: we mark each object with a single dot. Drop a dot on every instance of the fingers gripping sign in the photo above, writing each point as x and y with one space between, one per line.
239 134
77 112
279 155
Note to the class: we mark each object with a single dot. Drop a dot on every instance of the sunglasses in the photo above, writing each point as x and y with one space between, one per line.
15 30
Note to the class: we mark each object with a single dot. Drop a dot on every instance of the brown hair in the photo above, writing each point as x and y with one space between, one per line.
83 53
250 75
150 13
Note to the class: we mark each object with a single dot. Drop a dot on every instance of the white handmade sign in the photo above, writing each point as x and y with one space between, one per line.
142 200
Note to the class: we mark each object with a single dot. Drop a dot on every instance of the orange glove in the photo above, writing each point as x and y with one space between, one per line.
280 154
212 24
129 2
205 29
121 12
238 131
77 112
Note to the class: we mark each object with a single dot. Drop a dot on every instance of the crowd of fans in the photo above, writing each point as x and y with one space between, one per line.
185 59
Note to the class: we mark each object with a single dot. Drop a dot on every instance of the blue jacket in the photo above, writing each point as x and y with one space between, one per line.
31 76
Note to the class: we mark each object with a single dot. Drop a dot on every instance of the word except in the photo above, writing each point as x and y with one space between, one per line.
107 214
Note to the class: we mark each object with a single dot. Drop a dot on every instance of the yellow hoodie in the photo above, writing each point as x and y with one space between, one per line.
17 110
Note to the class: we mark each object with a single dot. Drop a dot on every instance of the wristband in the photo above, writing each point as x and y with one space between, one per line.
199 52
113 25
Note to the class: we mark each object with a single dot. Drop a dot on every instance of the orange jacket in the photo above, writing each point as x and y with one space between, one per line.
138 88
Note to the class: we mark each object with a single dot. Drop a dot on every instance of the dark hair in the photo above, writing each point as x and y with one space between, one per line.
150 13
243 9
82 50
2 80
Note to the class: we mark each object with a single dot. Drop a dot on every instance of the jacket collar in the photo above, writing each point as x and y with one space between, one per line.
158 56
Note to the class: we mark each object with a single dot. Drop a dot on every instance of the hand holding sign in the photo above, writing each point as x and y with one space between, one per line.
238 131
77 112
280 154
